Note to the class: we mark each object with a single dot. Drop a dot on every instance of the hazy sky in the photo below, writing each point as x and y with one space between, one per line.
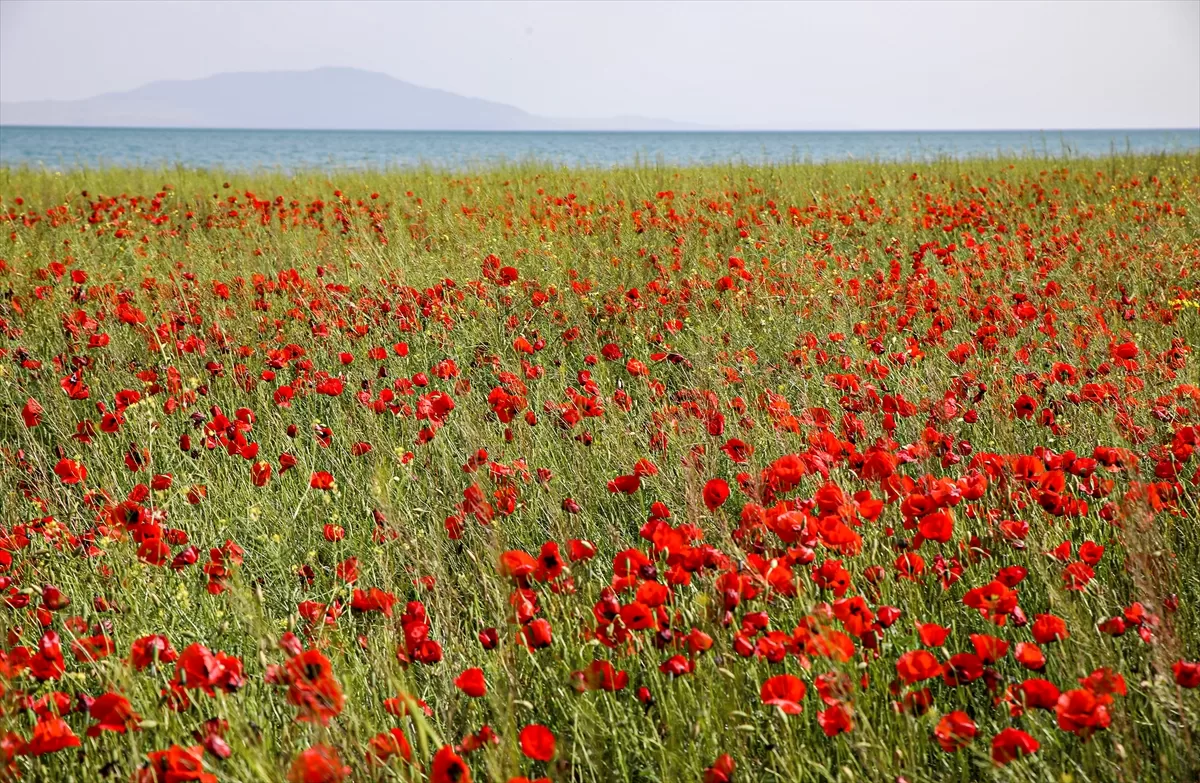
839 65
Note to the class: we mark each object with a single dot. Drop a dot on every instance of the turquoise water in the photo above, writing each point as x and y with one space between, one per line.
70 148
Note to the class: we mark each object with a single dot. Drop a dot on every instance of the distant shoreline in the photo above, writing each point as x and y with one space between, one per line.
73 148
577 131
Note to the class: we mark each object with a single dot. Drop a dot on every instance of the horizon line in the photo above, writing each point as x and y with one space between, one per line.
691 131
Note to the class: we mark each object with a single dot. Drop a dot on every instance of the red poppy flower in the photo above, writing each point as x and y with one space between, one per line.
1036 694
260 473
1104 682
627 484
1187 674
1030 656
1047 628
178 764
938 526
917 665
580 549
537 742
878 466
146 650
480 739
50 734
835 720
721 770
550 563
1081 713
472 683
538 634
448 767
32 412
198 667
932 634
784 691
47 662
53 703
917 701
1011 744
312 687
318 764
962 669
1091 553
954 731
738 450
517 565
675 666
112 713
69 471
602 676
716 492
637 616
995 601
211 734
990 649
384 746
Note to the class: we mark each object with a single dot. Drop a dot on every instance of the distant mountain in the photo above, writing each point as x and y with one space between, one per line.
323 99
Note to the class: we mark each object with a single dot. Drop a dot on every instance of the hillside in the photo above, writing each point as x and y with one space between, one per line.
322 99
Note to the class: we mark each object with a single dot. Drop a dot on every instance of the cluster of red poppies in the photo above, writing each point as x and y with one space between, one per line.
933 480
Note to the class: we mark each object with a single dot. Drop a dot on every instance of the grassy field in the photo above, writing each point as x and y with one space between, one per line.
814 473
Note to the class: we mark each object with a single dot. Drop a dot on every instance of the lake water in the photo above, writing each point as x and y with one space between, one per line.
70 148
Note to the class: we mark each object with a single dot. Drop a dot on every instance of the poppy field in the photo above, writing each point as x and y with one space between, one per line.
837 472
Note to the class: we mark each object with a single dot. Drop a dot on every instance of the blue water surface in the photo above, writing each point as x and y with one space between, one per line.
242 150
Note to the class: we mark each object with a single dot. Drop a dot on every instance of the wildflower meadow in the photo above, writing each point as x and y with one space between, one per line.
841 472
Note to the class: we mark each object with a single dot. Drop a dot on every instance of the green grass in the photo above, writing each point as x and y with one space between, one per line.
827 250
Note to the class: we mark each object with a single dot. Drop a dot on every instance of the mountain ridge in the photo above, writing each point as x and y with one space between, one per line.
349 99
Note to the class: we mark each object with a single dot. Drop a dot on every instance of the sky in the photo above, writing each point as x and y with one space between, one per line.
774 65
